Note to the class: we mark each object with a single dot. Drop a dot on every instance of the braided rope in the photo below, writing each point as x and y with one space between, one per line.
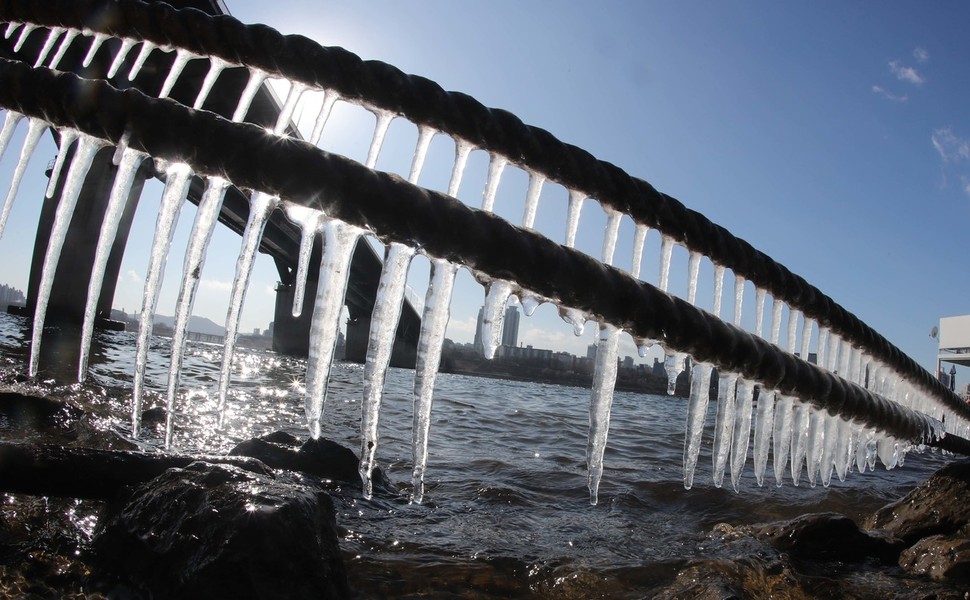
443 227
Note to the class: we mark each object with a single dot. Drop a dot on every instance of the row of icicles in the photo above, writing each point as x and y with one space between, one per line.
797 434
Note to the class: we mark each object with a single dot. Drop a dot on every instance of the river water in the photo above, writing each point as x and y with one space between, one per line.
506 510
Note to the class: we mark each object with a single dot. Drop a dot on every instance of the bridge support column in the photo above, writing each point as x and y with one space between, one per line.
291 335
73 274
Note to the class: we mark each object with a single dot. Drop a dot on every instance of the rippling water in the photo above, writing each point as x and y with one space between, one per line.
506 511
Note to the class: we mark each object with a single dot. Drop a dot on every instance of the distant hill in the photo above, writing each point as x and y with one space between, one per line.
197 324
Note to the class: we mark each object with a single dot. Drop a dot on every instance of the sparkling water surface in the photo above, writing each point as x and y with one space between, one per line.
506 508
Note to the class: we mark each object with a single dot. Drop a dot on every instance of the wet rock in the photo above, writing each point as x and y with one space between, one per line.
321 458
20 411
939 557
218 531
828 536
937 506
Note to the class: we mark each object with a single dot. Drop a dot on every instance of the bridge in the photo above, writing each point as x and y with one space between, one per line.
861 400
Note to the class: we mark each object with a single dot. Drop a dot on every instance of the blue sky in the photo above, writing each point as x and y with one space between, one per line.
833 136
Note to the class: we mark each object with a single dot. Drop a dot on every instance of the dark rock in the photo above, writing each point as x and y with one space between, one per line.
217 531
321 458
828 536
937 506
36 412
939 557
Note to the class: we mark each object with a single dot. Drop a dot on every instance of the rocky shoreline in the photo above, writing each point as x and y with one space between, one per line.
265 527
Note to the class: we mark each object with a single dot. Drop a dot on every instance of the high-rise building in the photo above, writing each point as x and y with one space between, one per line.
479 344
510 332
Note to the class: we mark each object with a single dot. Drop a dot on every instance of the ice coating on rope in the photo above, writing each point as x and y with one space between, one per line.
52 35
309 220
742 430
532 198
693 268
700 387
69 36
182 57
205 223
126 45
143 53
666 250
261 206
388 303
96 42
216 66
67 138
289 106
724 424
35 129
87 148
330 98
601 401
117 199
29 27
178 177
493 316
496 164
575 206
256 79
434 324
339 241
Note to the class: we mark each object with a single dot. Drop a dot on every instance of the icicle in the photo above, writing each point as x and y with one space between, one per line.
69 36
176 186
801 421
575 206
289 106
388 303
67 138
493 318
792 332
806 339
693 267
700 388
639 238
143 53
309 221
718 288
496 164
52 35
724 424
759 311
666 250
10 122
117 200
87 148
673 365
425 135
530 302
862 454
462 150
120 56
643 346
742 431
434 323
829 442
609 239
205 222
536 180
782 437
574 317
844 448
35 129
216 66
256 79
738 298
182 57
339 242
261 206
816 439
886 451
601 400
330 98
764 423
96 44
11 28
29 27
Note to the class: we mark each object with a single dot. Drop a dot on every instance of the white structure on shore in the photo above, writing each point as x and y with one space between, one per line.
954 336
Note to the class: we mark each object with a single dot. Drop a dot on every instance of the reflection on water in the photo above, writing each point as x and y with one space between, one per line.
506 506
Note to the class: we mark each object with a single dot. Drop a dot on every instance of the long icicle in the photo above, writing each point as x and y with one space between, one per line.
216 67
700 387
86 150
536 180
52 35
67 138
289 107
493 316
573 210
724 424
35 129
205 223
119 58
117 199
256 79
496 164
388 304
339 241
384 119
434 324
742 429
69 36
261 206
176 187
10 122
96 43
765 420
309 220
601 402
182 58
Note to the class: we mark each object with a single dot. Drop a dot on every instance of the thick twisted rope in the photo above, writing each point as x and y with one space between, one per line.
442 227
